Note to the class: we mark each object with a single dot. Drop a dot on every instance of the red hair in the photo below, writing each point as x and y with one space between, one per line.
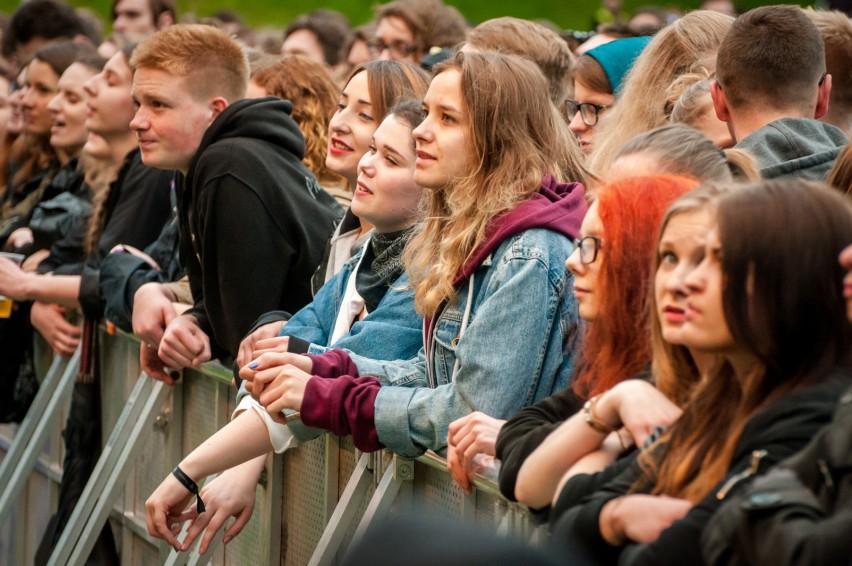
618 344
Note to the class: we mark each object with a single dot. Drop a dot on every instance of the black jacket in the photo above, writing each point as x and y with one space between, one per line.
799 513
136 209
123 273
524 432
252 220
781 429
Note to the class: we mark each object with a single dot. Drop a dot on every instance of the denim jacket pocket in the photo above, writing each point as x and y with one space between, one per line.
446 335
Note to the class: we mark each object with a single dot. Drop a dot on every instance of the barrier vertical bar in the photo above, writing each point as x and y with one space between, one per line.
34 431
110 473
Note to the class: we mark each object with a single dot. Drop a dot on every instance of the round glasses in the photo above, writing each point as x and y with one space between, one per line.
588 111
397 49
588 247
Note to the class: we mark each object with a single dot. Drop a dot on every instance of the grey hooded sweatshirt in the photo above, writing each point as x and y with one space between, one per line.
795 147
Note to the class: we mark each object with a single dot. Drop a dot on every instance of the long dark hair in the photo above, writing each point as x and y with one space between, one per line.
783 302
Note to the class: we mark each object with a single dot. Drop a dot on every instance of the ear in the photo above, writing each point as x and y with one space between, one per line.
823 94
720 103
165 19
217 105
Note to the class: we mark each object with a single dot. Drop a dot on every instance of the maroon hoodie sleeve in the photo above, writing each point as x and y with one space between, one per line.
345 405
333 363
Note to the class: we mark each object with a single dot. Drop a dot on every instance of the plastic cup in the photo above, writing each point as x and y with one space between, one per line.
5 302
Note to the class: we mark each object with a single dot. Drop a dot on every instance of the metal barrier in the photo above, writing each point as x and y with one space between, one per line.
310 501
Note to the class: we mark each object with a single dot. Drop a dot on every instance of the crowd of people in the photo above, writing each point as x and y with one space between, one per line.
611 271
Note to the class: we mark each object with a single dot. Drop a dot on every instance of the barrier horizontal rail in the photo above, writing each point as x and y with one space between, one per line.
303 511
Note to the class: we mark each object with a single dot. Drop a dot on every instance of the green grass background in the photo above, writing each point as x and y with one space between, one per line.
570 14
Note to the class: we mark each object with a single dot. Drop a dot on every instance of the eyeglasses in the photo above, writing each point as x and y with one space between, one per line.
588 247
397 49
588 111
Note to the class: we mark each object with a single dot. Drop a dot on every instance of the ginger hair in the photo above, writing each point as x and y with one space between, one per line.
211 60
617 344
309 86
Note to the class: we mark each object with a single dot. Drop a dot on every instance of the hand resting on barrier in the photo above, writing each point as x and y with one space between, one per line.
467 437
278 380
257 340
244 439
49 321
153 310
230 494
184 344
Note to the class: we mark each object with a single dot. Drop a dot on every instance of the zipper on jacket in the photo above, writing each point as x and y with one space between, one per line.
752 470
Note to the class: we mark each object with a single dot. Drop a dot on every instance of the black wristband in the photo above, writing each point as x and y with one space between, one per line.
187 482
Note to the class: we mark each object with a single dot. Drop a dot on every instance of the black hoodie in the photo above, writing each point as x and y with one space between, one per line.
252 219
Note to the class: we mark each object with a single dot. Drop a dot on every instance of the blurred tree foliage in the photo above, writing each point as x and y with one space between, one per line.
575 14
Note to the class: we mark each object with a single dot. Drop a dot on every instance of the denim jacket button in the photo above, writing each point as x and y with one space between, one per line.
454 342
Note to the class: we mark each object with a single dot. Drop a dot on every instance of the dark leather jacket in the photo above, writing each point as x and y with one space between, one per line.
800 513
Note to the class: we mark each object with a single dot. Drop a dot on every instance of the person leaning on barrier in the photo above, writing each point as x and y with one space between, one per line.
673 150
483 302
785 358
800 512
243 194
367 307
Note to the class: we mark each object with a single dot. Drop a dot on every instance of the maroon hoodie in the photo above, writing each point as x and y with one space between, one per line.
347 404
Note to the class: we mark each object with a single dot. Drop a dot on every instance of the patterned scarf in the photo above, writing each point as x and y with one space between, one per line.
381 266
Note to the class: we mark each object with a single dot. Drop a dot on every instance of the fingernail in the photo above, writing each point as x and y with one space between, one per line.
226 540
253 365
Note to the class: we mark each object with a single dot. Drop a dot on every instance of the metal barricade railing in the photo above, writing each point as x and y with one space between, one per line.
310 502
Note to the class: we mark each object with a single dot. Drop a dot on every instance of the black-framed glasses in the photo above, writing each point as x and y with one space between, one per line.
588 111
588 247
397 49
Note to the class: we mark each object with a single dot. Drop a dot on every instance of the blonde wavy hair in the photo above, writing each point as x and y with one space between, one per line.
309 86
686 45
516 136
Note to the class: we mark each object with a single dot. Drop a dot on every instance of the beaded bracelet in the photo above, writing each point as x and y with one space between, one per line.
187 482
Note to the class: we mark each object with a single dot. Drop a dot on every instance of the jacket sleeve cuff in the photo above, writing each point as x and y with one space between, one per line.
272 316
90 293
345 405
333 363
392 421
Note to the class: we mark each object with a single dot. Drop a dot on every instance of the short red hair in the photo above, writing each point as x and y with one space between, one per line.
618 344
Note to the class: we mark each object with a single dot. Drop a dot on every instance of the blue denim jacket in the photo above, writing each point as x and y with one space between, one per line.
391 331
517 349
